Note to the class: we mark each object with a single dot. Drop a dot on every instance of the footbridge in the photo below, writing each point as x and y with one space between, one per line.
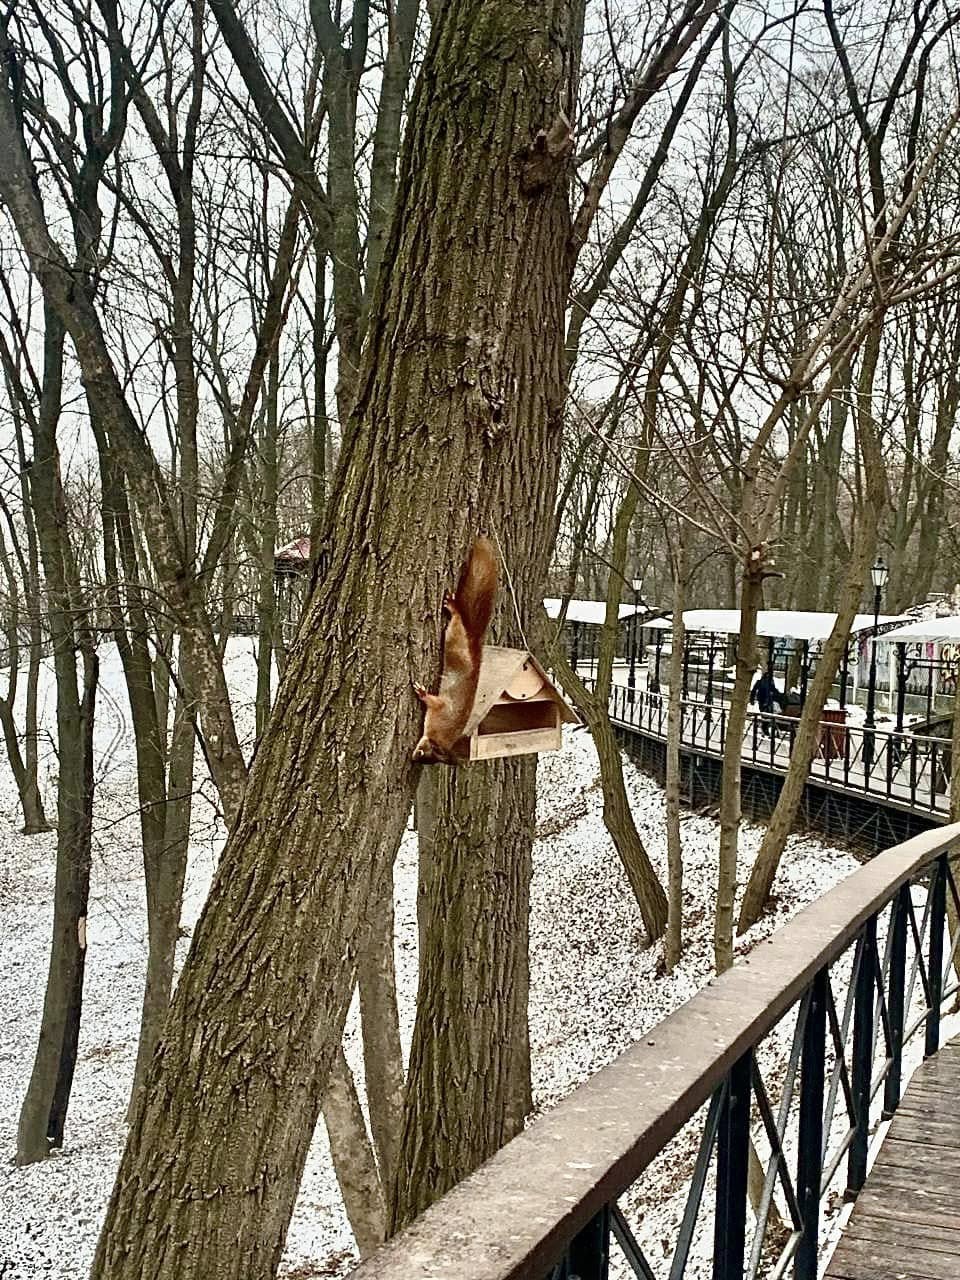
871 787
809 1078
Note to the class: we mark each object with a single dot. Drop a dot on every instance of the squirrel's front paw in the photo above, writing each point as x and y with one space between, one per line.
420 691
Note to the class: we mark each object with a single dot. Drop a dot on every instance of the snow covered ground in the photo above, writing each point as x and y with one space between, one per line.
594 988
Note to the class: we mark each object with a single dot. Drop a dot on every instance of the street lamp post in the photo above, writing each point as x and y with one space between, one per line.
708 698
879 573
637 587
901 684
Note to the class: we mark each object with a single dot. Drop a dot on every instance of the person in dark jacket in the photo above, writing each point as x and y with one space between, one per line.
767 697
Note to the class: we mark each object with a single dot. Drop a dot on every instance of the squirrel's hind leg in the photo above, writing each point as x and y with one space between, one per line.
430 700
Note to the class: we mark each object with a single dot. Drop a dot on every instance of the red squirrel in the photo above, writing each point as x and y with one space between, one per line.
469 610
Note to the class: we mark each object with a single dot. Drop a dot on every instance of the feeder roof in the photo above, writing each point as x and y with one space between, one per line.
518 676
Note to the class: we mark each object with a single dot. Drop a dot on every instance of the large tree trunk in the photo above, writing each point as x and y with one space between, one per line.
468 1083
460 382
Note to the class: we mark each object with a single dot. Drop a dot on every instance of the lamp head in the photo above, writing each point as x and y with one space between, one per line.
879 573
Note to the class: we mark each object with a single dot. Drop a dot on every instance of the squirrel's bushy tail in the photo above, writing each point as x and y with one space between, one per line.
477 588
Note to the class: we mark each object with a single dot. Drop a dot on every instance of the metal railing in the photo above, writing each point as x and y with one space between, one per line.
908 768
547 1207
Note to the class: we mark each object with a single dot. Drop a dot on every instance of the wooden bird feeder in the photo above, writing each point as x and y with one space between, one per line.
517 711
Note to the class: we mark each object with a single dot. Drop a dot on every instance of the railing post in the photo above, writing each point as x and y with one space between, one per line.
588 1257
895 998
733 1143
862 1062
938 911
810 1156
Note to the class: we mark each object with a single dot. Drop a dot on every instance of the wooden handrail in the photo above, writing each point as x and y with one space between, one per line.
511 1219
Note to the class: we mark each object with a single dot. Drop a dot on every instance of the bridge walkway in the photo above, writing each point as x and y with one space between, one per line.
905 1224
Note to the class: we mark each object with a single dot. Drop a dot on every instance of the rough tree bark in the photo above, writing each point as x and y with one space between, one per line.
461 380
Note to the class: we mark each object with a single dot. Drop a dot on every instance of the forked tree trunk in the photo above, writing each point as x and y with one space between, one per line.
468 1083
460 382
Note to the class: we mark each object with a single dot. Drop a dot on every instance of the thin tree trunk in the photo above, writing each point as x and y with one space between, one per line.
267 603
673 948
34 813
44 1107
380 1023
750 593
23 764
807 737
806 740
74 955
617 817
352 1157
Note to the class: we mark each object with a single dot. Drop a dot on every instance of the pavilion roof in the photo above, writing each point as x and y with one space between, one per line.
780 624
947 628
591 612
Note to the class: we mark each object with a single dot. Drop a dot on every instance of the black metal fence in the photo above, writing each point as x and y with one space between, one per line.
853 979
912 769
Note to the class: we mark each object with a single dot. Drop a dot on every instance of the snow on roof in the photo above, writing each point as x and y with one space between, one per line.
927 629
296 552
779 623
592 612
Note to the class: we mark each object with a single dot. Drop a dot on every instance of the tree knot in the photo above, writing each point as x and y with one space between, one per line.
546 156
